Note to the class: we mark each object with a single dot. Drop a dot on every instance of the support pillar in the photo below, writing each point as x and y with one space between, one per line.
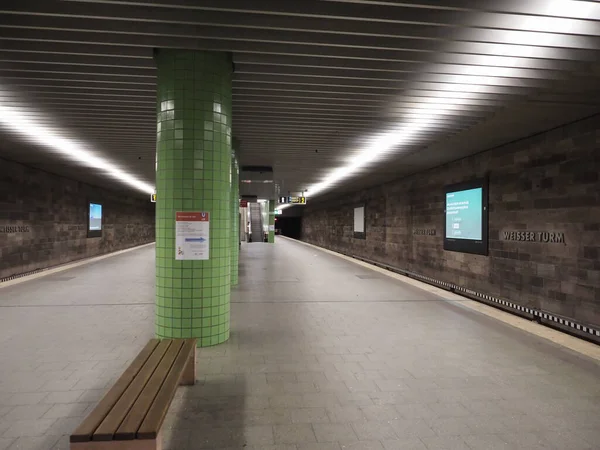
271 221
235 213
193 175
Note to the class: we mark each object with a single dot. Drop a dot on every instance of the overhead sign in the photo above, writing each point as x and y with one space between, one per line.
278 212
243 203
293 200
153 198
192 235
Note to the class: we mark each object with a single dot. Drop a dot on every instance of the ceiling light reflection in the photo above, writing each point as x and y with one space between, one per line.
537 35
26 125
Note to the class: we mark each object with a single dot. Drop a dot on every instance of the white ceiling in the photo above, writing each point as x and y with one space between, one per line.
372 89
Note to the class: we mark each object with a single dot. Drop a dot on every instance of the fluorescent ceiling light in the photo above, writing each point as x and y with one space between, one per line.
480 76
27 125
571 8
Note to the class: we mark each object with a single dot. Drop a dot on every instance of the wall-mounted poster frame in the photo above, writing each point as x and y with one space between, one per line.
466 209
360 222
95 218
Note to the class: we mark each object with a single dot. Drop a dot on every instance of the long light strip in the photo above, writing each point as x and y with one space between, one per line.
476 78
28 126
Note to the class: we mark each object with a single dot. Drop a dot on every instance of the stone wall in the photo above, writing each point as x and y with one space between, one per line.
43 220
548 182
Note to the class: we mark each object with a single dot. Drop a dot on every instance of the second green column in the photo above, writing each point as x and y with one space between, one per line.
193 264
271 221
235 214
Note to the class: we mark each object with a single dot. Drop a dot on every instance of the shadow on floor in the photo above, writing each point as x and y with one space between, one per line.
208 415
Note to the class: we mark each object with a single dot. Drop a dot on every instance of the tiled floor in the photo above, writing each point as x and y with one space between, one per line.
324 354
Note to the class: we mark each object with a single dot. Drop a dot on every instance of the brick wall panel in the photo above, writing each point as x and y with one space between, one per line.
549 182
55 209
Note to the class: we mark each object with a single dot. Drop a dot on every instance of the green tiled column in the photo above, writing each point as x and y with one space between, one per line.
271 221
193 175
235 214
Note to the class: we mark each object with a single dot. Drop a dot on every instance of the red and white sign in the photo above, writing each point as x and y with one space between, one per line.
192 216
192 241
243 203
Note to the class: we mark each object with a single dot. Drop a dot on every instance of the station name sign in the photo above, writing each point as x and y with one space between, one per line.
9 229
535 236
424 231
293 200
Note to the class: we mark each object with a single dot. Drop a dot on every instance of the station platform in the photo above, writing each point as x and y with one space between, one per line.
325 354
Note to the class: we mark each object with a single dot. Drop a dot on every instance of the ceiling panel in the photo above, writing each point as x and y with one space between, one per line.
374 89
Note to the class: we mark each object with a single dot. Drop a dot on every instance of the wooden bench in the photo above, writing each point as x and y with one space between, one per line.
131 414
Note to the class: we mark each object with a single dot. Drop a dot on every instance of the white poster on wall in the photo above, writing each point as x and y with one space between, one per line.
271 227
359 219
192 235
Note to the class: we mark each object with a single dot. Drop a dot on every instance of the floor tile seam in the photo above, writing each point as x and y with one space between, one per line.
70 265
297 302
78 305
573 343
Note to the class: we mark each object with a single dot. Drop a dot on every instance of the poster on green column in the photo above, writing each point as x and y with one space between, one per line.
192 236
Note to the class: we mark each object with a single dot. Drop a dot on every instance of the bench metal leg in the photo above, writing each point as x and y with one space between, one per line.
137 444
189 373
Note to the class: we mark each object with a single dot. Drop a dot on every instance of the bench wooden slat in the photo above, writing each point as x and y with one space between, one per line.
137 413
157 412
86 429
106 430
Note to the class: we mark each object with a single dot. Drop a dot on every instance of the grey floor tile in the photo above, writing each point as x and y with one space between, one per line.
382 413
5 443
334 432
309 415
65 425
25 398
414 411
5 410
404 444
63 397
320 446
287 401
26 412
345 414
488 442
529 441
35 443
268 416
259 435
451 409
488 424
67 410
362 445
272 447
405 428
485 408
371 431
451 426
573 440
445 443
294 434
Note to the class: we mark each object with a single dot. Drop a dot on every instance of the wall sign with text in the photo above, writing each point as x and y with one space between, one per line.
550 237
192 235
10 229
424 231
